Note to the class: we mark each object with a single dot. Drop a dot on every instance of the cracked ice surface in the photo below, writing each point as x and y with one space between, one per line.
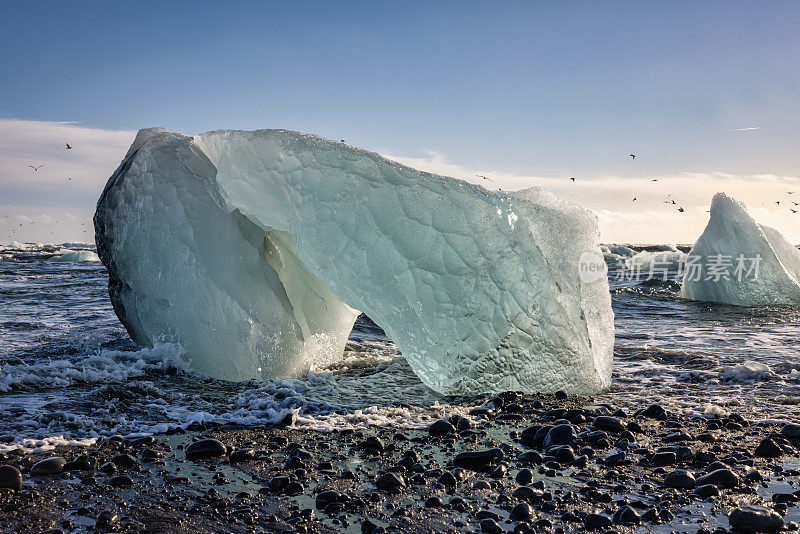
257 250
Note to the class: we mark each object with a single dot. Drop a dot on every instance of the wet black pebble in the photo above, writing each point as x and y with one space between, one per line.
327 497
106 518
48 467
722 478
441 428
293 488
433 502
664 458
706 491
768 449
559 435
10 477
124 460
490 526
626 516
374 443
242 455
521 512
755 519
655 411
525 476
447 480
596 522
205 448
608 423
108 468
84 462
615 459
478 459
392 482
680 478
527 493
500 471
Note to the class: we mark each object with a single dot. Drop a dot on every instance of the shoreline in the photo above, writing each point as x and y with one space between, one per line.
550 463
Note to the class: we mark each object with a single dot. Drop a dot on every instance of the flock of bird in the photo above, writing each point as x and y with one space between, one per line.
36 169
668 200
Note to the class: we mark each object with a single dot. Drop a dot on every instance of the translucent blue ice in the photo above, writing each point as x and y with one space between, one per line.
257 250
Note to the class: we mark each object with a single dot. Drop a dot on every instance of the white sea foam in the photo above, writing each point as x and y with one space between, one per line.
747 372
47 444
99 366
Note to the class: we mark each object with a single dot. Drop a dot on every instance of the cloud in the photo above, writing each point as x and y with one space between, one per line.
66 188
52 208
746 129
648 220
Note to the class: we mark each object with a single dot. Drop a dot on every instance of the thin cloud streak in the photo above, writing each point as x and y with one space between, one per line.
746 129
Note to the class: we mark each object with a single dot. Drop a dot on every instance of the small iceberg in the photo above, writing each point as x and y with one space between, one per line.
740 262
75 256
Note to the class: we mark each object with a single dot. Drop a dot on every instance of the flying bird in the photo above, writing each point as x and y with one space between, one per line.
680 210
36 168
572 178
68 178
778 202
485 178
634 199
633 156
793 211
654 180
69 147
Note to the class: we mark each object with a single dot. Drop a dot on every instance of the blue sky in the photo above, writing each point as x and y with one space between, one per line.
525 89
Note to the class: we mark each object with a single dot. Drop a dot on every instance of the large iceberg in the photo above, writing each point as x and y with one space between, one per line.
256 251
740 262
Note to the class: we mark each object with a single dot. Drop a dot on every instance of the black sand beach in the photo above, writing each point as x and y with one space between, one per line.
543 464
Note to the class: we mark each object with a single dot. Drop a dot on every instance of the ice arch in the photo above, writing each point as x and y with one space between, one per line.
255 250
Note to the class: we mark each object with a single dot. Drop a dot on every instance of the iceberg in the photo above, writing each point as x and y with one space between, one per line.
740 262
77 256
256 251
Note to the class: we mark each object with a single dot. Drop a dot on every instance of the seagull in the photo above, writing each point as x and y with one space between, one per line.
793 211
485 178
790 192
633 156
68 178
69 147
36 168
654 180
795 203
680 210
572 178
778 202
634 199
